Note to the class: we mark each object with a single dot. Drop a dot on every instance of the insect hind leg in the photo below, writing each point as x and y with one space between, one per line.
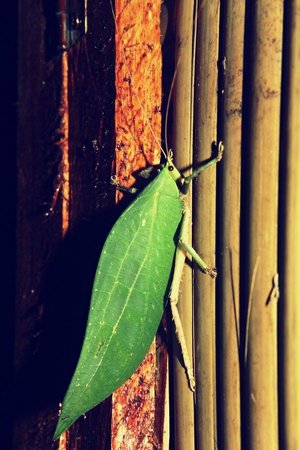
173 299
181 252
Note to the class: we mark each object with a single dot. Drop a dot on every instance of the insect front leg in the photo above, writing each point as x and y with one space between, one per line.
203 167
114 181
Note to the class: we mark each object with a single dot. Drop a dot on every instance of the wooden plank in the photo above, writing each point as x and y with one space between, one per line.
135 411
58 250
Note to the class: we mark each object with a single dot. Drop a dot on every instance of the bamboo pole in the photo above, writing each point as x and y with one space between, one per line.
261 334
183 411
290 306
204 223
229 279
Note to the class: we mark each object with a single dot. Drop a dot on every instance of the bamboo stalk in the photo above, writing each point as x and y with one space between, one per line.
229 279
183 412
261 334
204 222
291 263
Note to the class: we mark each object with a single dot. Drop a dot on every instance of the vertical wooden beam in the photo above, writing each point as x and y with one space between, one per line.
65 103
135 411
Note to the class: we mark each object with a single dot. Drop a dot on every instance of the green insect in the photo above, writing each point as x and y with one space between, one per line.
139 269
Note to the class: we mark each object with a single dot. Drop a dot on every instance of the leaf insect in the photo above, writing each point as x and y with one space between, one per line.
138 273
139 270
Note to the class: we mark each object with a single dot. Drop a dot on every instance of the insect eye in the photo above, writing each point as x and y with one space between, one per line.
171 168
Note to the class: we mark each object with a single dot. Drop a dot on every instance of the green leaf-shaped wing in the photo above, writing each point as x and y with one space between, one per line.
128 297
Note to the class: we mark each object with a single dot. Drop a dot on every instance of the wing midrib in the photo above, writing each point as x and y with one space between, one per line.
114 330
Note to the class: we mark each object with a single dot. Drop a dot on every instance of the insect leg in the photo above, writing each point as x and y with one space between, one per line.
205 166
173 298
189 249
114 182
148 172
182 249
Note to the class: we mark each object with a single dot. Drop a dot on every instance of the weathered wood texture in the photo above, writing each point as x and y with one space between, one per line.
66 103
65 153
138 406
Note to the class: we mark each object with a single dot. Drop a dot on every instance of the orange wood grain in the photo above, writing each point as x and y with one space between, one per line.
138 129
138 87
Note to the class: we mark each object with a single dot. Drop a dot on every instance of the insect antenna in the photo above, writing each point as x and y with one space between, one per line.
168 150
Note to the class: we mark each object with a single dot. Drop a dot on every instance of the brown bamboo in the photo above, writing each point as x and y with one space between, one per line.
229 278
291 263
204 222
183 406
261 334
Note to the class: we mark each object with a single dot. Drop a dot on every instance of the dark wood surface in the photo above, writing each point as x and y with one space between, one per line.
55 274
8 111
